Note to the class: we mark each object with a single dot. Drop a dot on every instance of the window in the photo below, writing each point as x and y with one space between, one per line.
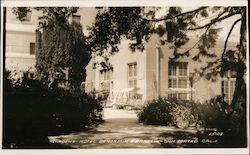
177 75
32 48
179 96
76 18
228 86
106 79
172 69
231 89
183 69
182 83
182 96
111 89
172 95
230 74
178 78
31 75
172 83
132 75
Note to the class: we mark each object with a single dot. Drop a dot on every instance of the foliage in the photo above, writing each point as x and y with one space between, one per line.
182 116
214 113
171 112
60 46
49 14
21 12
32 112
113 23
157 112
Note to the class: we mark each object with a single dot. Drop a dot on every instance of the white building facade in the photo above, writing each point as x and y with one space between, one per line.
21 37
20 42
140 76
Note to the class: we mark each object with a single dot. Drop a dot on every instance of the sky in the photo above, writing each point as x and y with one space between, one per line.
225 24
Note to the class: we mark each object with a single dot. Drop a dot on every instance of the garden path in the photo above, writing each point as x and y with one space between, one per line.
120 130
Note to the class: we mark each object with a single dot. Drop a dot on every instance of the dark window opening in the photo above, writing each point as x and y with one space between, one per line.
32 48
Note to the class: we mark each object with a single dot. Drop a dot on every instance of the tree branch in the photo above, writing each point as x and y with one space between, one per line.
187 52
242 48
229 33
213 21
181 14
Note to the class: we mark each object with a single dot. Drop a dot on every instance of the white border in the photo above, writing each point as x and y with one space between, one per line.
248 79
92 3
187 3
1 81
180 151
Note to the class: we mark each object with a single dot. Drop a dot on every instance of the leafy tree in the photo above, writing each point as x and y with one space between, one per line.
60 46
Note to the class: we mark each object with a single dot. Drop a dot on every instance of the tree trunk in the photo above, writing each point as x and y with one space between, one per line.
240 88
240 85
238 105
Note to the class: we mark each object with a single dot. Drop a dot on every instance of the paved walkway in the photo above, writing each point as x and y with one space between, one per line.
120 130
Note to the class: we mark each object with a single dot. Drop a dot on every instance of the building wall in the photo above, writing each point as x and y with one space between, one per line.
152 69
19 35
90 81
18 50
119 62
202 89
157 72
152 79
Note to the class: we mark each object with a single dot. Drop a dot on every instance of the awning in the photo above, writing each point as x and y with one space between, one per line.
128 90
180 90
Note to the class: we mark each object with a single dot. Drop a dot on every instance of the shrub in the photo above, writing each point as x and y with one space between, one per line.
156 112
168 112
211 114
214 113
32 112
232 121
182 116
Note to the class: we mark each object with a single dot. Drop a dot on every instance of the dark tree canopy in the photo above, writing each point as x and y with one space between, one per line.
112 24
62 50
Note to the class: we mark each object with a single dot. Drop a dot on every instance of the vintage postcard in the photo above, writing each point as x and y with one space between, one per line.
123 77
